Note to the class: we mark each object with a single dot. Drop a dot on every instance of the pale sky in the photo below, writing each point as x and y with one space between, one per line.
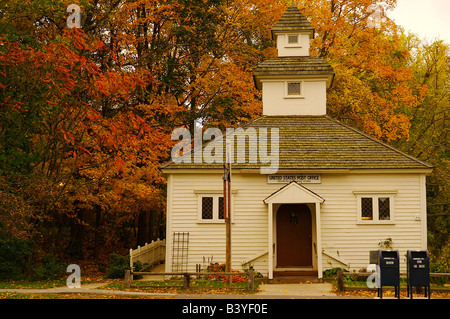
430 19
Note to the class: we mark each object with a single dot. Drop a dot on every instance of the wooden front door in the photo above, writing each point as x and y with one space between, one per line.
294 236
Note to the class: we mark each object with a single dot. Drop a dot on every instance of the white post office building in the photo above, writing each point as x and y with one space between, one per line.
337 193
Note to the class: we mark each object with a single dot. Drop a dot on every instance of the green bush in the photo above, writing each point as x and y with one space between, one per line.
117 266
440 264
138 266
50 268
14 254
332 272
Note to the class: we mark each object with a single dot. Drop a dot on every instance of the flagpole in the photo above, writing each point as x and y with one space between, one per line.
227 213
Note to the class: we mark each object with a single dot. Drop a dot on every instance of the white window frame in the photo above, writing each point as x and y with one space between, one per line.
297 96
375 210
298 44
215 195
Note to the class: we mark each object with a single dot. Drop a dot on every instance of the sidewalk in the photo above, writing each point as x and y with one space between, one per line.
299 290
276 291
85 289
269 291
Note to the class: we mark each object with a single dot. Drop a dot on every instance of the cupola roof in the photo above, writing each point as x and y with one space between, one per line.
289 67
293 21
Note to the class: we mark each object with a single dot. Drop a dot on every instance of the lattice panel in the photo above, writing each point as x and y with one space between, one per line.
180 249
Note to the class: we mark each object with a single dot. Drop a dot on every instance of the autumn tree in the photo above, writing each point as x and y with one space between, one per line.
64 124
429 134
87 114
391 86
200 58
374 90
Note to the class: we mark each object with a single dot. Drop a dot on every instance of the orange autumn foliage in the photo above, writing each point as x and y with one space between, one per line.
87 113
374 87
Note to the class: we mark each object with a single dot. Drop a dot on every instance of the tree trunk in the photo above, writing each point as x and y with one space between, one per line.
75 247
97 233
143 231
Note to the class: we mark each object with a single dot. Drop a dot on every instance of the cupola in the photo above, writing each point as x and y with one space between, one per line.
292 33
293 83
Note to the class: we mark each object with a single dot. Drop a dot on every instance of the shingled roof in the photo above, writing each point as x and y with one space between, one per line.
292 20
310 142
292 66
320 143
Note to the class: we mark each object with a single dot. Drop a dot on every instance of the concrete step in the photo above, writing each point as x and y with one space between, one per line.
294 279
295 273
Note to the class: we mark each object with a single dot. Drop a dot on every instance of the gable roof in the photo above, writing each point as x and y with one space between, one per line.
318 143
292 20
293 193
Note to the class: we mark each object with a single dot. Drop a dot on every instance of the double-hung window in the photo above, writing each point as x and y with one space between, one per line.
375 208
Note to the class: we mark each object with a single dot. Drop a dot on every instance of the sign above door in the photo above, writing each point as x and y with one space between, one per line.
299 178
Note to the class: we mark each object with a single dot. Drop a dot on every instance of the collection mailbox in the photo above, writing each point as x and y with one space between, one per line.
389 267
418 271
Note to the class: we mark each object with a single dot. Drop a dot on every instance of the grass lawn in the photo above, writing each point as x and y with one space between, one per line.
197 286
176 286
32 284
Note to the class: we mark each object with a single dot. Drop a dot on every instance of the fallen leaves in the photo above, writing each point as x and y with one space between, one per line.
390 294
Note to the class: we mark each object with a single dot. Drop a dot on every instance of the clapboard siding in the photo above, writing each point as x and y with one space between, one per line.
341 234
249 228
340 231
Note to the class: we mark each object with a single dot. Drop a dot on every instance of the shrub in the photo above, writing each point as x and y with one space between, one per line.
138 266
117 266
332 272
14 254
440 264
50 268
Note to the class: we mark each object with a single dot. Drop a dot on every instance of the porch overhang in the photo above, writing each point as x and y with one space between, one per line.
294 193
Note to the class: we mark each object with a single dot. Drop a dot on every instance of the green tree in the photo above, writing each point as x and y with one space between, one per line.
429 138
